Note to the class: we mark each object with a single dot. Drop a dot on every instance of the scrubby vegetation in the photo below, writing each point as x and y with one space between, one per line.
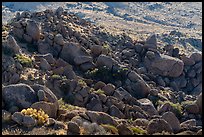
39 115
138 130
110 128
107 75
24 60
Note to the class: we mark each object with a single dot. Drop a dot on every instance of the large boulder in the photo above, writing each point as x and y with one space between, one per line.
172 121
140 88
104 60
163 64
48 108
151 42
20 95
148 106
72 50
157 126
12 44
33 29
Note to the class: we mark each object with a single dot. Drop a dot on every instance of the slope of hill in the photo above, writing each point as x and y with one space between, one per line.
143 17
65 75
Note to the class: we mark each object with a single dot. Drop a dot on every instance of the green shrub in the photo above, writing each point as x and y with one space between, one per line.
63 105
106 46
110 128
188 102
99 91
82 83
54 76
137 130
107 75
24 60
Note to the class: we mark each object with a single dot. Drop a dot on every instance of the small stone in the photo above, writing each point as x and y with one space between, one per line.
196 56
114 111
48 107
123 130
141 122
18 117
109 89
41 95
99 85
192 108
104 60
148 106
199 102
6 116
188 123
29 121
73 127
151 42
50 122
44 65
59 125
58 39
96 50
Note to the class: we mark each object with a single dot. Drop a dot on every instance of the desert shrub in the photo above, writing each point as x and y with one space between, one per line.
107 75
82 83
54 76
188 102
64 105
39 115
110 128
99 91
137 130
106 46
24 60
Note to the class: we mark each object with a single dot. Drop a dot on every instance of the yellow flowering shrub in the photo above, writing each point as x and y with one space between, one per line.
39 115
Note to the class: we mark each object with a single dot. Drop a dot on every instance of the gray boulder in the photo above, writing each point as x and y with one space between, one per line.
104 60
151 42
72 50
172 120
140 88
18 117
58 39
33 29
49 108
157 126
148 107
29 121
164 65
20 95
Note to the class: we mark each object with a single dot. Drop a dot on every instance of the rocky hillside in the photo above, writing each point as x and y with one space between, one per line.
63 75
174 22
